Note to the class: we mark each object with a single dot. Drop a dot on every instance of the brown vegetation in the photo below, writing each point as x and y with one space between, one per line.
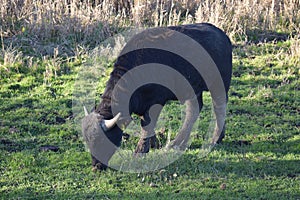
68 24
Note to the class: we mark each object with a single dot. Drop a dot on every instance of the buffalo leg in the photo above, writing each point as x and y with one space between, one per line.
192 113
219 107
222 134
148 123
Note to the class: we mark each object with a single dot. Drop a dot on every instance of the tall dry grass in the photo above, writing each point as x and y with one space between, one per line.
40 26
238 18
48 23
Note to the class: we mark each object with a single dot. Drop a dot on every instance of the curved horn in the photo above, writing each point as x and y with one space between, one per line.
109 124
85 111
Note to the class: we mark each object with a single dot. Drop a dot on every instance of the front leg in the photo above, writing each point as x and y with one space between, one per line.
148 123
144 144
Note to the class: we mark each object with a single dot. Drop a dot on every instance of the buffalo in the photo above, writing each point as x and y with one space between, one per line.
102 128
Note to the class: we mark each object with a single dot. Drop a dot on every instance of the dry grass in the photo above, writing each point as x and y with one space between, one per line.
41 26
237 18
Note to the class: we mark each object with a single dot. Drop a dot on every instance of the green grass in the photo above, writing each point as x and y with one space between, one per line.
259 158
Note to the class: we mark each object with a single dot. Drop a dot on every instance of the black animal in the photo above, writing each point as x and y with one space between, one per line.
99 127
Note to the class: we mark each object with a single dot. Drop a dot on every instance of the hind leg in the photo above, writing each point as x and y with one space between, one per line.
219 108
193 107
222 135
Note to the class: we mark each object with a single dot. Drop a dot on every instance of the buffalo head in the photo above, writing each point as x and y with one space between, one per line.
102 137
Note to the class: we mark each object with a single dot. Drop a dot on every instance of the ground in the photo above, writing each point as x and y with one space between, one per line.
259 158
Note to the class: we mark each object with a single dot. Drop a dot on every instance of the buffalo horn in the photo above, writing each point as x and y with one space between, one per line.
108 124
85 111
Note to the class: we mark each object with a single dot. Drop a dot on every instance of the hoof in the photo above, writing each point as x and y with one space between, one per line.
143 146
99 167
176 146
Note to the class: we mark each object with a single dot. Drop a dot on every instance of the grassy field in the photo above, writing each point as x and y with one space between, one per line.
259 158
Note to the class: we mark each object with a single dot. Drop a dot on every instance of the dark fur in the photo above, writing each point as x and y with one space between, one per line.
215 42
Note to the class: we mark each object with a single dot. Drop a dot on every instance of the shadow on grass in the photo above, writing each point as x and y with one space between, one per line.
246 161
248 172
10 145
197 190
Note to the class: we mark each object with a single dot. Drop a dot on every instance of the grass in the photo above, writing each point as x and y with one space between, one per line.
259 158
39 64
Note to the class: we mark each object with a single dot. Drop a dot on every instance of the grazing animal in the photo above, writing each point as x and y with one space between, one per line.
102 129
